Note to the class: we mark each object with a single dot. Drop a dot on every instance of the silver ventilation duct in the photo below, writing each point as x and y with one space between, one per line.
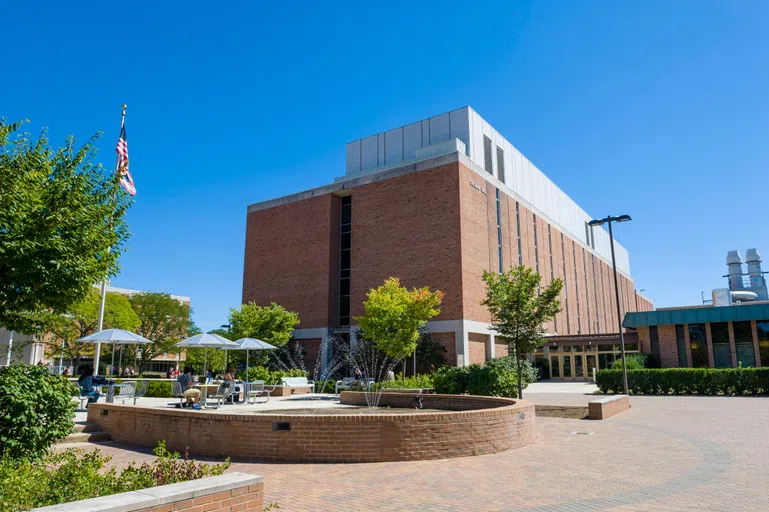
734 262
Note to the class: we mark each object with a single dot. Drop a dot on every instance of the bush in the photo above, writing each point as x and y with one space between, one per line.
76 475
36 410
159 389
420 381
272 378
632 362
498 377
687 381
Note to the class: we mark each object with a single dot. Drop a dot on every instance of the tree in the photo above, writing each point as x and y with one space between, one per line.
62 225
162 319
518 308
82 319
273 324
394 316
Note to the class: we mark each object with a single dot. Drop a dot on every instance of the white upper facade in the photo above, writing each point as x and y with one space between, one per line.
522 179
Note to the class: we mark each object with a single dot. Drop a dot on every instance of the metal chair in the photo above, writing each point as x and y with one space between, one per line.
136 390
178 392
223 392
255 390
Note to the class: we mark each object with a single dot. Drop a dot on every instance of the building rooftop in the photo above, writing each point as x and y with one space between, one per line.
698 314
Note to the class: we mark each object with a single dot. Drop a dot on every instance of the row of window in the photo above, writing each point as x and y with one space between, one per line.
345 256
719 339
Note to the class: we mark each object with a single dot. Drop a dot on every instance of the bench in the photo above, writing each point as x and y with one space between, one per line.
83 401
347 383
129 390
255 390
298 382
609 406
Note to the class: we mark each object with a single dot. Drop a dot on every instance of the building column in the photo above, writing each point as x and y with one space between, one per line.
688 344
756 347
732 344
709 341
462 346
491 351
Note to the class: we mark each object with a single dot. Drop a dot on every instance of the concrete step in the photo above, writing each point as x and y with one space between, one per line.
85 426
86 437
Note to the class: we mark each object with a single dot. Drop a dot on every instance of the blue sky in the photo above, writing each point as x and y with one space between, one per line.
654 108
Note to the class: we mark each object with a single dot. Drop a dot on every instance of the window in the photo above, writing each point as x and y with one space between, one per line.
587 233
536 247
743 341
565 287
499 234
518 230
345 257
487 155
654 341
722 352
587 296
576 284
699 345
552 271
762 326
595 294
681 344
500 164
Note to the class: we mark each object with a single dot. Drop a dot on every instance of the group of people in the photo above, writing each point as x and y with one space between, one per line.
192 395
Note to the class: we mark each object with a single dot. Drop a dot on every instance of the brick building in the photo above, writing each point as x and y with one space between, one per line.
436 203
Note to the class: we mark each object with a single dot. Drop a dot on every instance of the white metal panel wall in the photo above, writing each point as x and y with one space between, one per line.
439 129
369 152
412 139
353 156
393 146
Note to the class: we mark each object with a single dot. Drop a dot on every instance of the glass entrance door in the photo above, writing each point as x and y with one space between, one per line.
567 371
579 367
555 367
592 362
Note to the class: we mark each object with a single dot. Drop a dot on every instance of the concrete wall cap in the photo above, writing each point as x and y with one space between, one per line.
164 494
608 399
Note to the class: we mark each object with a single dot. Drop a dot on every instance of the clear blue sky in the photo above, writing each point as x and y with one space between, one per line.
658 109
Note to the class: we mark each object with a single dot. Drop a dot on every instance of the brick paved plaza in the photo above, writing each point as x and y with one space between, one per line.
667 453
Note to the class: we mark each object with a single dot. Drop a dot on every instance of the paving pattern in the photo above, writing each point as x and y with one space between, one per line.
666 454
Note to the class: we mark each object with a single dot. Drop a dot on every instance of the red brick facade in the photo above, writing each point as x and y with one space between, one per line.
435 227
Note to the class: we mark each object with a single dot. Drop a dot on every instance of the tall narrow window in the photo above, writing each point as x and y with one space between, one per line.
565 286
699 344
587 295
501 164
681 344
576 284
654 340
603 299
518 231
762 329
552 271
595 293
587 233
536 247
345 257
722 352
499 234
487 155
592 237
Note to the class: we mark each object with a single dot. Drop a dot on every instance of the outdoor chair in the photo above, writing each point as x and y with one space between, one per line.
349 382
136 390
255 390
178 392
223 392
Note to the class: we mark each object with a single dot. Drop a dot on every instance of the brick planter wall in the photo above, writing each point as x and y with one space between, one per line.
230 493
470 425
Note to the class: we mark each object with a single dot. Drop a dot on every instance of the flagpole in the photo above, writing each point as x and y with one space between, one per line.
100 324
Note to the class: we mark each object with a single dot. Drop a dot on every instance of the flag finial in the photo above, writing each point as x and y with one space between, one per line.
125 106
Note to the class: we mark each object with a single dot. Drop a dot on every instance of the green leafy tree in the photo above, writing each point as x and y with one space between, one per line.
162 319
36 410
61 330
394 316
62 225
273 324
519 308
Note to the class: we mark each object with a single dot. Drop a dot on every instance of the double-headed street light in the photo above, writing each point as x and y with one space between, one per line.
608 220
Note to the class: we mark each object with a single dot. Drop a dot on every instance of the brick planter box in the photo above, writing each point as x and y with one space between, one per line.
609 406
465 426
234 491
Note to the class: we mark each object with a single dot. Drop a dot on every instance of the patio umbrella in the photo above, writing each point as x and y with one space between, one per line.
206 340
249 344
116 337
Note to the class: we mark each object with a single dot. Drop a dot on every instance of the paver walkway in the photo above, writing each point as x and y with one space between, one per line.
667 453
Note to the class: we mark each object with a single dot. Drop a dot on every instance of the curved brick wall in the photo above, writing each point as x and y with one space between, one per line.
470 425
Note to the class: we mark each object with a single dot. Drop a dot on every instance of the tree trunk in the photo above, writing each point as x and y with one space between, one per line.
520 374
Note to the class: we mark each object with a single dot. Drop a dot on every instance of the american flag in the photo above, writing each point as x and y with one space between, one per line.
122 163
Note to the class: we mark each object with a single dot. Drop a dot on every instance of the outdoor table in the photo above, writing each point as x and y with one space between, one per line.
246 388
204 390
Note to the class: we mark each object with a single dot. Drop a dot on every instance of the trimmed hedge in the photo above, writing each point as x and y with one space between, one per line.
159 389
687 381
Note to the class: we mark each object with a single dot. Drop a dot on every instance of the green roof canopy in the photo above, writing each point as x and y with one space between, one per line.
697 315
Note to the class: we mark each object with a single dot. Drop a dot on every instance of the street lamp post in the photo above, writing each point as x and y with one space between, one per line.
608 220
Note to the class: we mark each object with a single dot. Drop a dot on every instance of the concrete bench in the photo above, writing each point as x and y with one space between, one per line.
609 406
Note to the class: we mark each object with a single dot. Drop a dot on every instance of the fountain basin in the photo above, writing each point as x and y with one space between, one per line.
463 425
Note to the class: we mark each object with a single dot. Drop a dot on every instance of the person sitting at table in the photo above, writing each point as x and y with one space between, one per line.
229 382
191 394
85 382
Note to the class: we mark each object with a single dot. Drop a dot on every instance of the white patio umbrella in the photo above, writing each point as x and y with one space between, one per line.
206 340
249 344
115 337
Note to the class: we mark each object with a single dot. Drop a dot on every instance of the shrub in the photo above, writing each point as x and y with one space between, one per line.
687 381
159 389
36 410
420 381
498 377
76 475
632 362
272 378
